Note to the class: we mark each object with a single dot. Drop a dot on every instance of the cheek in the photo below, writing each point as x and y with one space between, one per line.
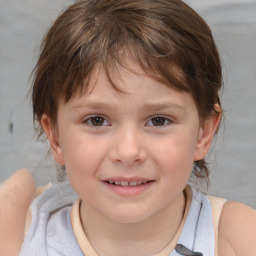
175 154
83 155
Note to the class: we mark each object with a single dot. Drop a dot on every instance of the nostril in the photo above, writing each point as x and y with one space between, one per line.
127 149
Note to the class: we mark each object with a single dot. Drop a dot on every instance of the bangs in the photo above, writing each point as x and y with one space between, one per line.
158 68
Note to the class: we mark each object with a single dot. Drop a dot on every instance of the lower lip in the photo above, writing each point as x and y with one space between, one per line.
129 190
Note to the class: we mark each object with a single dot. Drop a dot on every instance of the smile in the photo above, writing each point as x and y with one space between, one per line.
128 187
127 183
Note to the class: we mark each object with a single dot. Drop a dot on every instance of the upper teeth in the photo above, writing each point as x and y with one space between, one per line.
127 183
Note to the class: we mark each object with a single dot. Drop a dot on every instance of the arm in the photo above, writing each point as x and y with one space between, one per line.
237 230
16 194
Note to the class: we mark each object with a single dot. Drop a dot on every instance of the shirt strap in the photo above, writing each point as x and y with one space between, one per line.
217 206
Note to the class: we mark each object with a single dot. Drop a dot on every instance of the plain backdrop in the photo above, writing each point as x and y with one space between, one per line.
233 157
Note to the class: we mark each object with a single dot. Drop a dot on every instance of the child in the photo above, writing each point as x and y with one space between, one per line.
127 93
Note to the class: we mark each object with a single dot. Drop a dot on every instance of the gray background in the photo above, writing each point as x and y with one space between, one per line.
233 22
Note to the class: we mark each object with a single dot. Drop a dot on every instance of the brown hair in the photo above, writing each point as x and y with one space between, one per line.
169 41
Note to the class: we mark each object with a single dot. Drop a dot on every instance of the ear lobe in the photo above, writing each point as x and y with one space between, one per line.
206 134
53 139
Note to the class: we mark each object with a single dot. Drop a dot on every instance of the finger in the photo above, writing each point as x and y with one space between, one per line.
16 195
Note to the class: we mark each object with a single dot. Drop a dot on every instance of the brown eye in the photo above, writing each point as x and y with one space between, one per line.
159 121
96 121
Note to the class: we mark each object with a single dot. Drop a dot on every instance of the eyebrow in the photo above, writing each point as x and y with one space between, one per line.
154 107
94 105
163 106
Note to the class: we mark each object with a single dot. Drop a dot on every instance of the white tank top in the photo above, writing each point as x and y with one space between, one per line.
51 232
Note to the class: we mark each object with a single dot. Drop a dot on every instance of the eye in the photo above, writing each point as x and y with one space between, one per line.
97 121
158 121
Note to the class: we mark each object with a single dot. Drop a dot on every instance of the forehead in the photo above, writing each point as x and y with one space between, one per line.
118 72
135 90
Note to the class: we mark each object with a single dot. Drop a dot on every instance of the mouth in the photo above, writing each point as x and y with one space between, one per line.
128 183
128 187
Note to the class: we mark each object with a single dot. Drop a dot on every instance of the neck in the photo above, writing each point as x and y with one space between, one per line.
147 237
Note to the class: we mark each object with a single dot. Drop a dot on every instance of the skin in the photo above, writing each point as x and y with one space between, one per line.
237 230
129 146
16 194
127 154
236 233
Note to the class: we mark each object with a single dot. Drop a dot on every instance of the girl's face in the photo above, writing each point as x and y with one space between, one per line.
128 155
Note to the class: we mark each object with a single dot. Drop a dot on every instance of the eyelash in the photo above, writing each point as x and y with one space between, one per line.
90 119
162 118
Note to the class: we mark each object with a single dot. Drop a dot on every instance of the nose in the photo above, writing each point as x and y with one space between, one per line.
128 147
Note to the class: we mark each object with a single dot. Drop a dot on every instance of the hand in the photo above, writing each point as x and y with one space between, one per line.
16 195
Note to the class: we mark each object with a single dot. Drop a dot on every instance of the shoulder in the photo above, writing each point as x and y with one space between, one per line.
50 229
237 230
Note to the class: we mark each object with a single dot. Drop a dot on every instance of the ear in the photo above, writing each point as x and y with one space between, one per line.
206 134
52 135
